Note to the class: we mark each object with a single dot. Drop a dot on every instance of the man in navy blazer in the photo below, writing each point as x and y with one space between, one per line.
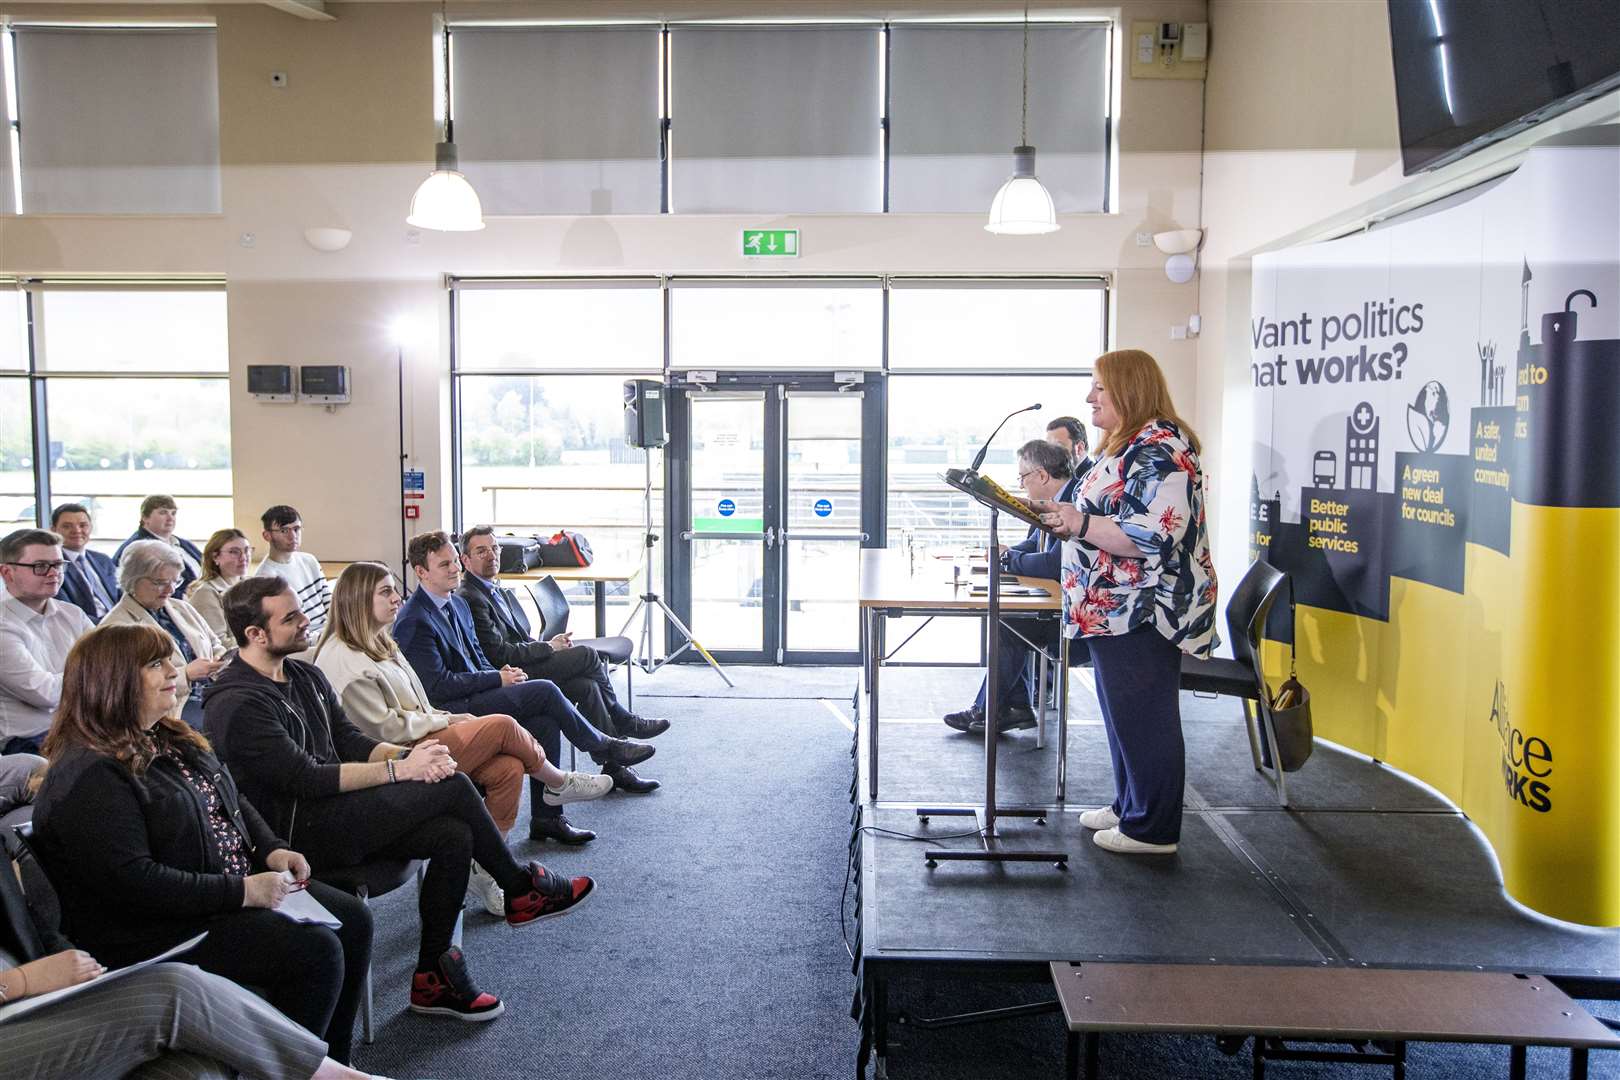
435 632
90 580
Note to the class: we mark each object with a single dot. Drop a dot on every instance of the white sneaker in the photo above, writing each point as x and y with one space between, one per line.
481 887
1101 818
1116 841
578 787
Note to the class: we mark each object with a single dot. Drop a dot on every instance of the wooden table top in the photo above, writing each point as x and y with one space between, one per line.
887 581
602 570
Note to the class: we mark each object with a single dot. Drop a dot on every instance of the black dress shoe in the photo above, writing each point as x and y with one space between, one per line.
966 719
623 752
558 829
1016 718
631 726
626 780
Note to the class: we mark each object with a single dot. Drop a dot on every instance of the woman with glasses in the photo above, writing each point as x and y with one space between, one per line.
150 574
225 561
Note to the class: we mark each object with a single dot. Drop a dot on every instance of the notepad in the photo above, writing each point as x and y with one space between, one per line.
301 907
29 1004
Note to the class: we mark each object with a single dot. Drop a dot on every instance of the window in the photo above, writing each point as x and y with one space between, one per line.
996 325
16 456
117 120
605 324
775 324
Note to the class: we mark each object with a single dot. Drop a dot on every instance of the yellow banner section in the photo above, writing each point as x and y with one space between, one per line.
1505 698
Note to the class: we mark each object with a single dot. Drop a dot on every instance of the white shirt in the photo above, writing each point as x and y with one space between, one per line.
302 572
33 651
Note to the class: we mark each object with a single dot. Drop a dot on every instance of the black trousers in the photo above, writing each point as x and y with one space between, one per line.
445 823
312 974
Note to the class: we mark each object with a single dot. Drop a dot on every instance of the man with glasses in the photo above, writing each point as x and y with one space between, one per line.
36 632
284 532
90 579
1043 473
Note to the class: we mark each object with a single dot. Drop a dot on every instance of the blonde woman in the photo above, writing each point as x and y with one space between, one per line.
225 561
382 695
150 573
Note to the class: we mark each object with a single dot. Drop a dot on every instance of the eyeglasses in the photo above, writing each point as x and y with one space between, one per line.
295 527
244 551
162 583
1026 472
41 568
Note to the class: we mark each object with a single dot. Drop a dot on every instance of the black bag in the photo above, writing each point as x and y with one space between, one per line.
519 553
566 548
1290 707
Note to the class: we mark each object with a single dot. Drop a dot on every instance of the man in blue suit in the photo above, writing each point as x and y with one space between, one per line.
90 580
435 632
1043 473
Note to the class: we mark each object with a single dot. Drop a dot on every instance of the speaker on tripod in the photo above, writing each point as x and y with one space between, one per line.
644 413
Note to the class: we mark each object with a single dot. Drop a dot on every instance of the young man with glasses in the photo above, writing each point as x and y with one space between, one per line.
90 579
36 632
284 532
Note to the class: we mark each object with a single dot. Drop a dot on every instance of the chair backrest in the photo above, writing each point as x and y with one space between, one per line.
1247 610
553 607
39 893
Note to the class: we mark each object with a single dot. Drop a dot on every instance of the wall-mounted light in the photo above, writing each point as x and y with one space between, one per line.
1182 247
328 238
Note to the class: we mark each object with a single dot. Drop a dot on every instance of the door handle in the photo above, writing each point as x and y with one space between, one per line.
770 536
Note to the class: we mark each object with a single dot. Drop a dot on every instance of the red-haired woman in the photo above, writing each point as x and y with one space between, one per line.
148 843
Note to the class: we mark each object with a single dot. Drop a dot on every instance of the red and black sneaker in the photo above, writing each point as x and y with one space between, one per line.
551 896
449 991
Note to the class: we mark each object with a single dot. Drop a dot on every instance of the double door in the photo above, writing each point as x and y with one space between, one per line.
774 488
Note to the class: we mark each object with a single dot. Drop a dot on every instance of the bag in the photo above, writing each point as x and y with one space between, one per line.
566 548
518 553
1290 708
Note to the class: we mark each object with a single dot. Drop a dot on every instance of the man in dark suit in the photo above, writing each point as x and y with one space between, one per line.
159 515
1043 473
1070 435
435 632
90 580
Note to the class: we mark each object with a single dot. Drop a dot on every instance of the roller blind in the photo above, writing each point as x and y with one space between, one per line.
775 119
954 97
118 121
558 120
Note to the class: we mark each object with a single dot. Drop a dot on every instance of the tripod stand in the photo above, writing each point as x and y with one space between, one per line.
650 601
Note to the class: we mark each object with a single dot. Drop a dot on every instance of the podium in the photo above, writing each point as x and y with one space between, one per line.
991 847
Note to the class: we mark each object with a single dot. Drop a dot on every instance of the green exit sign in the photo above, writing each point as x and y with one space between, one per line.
771 243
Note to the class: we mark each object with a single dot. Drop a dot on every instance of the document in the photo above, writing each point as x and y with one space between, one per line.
29 1004
301 907
991 494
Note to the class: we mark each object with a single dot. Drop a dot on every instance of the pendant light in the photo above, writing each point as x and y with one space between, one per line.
1022 207
445 201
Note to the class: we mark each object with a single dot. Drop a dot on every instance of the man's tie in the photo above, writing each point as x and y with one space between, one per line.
97 593
511 607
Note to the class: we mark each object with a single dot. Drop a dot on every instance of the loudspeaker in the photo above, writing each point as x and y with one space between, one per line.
644 413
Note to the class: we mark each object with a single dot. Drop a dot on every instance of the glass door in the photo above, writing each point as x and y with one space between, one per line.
821 532
726 535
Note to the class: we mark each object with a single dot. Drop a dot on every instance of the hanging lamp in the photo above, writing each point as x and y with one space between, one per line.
1022 207
445 201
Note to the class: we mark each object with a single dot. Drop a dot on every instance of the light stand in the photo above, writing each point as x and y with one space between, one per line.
650 600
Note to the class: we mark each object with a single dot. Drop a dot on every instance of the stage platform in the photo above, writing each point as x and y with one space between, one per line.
1365 868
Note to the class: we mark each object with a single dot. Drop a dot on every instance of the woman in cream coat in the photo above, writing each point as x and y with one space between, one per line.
384 697
149 573
225 561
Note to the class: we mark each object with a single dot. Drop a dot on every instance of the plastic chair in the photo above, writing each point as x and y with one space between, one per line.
1242 677
554 611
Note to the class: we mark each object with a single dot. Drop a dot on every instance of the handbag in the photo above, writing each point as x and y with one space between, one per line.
566 548
1290 707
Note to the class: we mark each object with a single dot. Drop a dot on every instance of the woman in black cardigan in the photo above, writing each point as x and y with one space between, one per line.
144 836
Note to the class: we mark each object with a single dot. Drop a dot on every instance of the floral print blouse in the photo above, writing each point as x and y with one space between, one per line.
223 835
1153 490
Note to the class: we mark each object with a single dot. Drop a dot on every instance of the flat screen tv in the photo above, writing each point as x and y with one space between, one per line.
1471 72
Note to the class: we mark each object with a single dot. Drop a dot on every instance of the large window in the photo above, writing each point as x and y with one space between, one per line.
759 325
134 383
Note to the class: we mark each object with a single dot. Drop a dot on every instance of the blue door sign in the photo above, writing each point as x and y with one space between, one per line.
727 508
823 507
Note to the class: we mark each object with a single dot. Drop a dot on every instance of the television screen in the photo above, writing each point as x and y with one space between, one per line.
1470 72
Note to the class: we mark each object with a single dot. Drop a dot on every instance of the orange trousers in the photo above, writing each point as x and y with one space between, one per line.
497 754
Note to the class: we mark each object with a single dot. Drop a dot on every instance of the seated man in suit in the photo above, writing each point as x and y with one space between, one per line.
159 517
578 670
1043 473
1070 434
435 632
90 579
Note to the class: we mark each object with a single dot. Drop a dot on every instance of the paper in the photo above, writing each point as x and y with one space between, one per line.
29 1004
301 907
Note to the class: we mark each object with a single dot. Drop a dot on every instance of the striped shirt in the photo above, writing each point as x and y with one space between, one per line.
302 571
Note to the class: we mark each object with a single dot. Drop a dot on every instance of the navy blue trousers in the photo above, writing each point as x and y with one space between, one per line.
1139 688
544 712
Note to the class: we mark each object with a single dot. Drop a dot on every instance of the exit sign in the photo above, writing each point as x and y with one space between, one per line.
771 243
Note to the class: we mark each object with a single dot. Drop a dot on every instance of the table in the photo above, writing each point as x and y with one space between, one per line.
1323 1005
890 589
600 574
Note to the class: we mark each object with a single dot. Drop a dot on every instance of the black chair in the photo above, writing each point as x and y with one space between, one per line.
553 608
1241 677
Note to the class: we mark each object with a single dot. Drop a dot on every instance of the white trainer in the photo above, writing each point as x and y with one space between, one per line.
1116 841
1101 818
578 787
481 886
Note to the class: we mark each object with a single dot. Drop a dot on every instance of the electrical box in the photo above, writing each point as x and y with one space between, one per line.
1168 50
324 384
270 382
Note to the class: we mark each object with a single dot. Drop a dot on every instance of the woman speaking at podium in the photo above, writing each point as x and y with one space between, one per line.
1139 585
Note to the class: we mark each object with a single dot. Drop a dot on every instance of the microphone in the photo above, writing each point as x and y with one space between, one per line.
985 449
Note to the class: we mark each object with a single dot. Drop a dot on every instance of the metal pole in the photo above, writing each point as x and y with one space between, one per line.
992 702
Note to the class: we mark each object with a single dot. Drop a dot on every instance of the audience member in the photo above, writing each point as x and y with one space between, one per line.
435 632
148 843
225 561
579 671
16 793
284 532
36 632
150 573
1070 434
353 799
90 579
159 515
385 699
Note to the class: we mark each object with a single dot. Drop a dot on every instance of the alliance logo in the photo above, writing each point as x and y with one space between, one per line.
1526 761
